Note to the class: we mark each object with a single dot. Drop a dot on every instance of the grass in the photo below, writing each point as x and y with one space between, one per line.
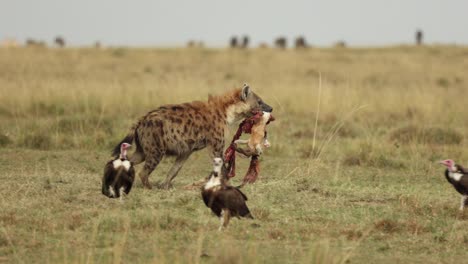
351 175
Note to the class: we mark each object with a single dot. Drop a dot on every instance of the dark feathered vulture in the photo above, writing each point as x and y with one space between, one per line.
225 201
119 175
458 177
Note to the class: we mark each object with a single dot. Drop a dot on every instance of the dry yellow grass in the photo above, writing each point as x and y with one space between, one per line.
368 189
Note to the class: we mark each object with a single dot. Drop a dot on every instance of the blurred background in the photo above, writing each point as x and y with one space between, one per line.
213 23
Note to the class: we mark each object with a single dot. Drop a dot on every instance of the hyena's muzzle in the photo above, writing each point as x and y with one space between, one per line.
266 108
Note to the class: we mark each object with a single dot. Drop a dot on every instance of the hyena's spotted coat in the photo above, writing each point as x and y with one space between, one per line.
179 130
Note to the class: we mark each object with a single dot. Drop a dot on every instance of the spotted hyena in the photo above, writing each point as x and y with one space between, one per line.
181 129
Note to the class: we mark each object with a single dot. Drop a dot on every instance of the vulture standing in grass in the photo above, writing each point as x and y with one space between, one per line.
119 175
225 201
458 177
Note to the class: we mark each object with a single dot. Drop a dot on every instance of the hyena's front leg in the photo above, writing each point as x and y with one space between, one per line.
151 163
179 163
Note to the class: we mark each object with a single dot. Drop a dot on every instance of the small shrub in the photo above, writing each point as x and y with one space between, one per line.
148 69
228 76
303 134
4 112
308 152
384 161
37 140
352 161
4 140
276 234
367 156
352 234
440 237
261 214
47 109
416 228
442 136
431 135
75 221
119 52
358 158
302 185
173 223
387 226
75 123
47 184
405 134
443 82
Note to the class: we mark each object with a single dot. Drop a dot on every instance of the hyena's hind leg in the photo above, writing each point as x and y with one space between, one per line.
178 164
151 163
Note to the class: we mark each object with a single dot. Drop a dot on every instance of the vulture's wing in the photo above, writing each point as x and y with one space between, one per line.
234 200
108 178
448 177
206 198
128 176
464 184
462 169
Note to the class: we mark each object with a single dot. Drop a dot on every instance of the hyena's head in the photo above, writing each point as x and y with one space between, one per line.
246 103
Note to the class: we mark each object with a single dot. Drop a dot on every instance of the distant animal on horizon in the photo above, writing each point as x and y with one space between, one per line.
119 175
245 42
419 37
35 43
300 42
458 177
59 41
180 129
191 44
233 42
195 44
225 201
281 43
340 44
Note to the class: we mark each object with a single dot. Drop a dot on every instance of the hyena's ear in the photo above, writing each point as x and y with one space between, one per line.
245 92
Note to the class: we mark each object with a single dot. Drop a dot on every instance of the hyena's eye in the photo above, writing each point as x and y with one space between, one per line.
259 101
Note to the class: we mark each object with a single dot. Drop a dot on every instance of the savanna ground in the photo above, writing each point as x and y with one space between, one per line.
361 185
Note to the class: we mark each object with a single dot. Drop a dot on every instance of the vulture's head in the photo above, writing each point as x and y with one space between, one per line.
125 146
123 150
217 164
450 164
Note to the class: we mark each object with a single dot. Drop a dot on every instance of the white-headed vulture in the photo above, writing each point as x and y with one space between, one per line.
225 201
458 177
119 175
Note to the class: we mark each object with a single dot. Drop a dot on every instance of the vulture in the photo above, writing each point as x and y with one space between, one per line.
458 177
225 201
119 175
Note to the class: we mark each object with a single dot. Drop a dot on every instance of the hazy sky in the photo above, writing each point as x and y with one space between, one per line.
174 22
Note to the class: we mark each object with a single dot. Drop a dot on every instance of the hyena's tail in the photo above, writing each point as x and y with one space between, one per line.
129 138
